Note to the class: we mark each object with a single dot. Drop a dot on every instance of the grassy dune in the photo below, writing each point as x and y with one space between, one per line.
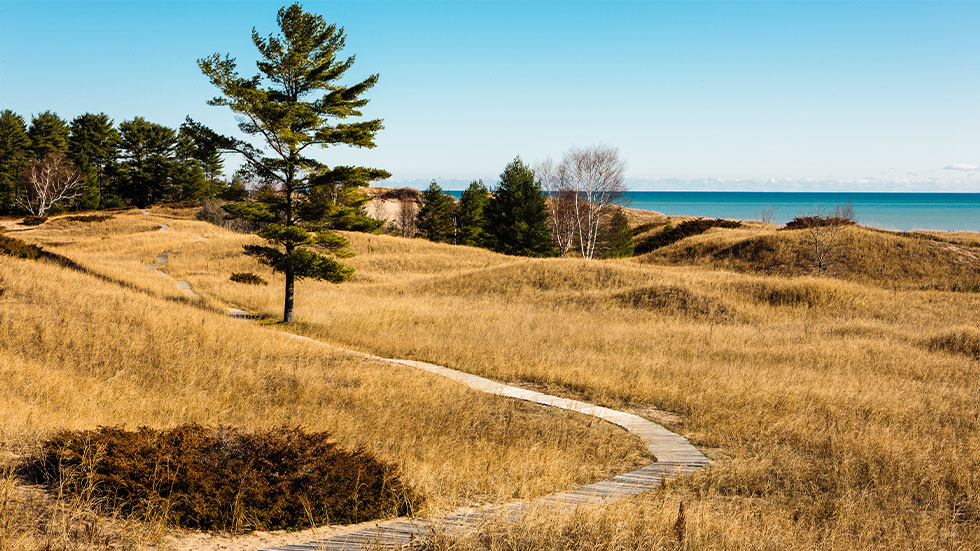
842 411
78 352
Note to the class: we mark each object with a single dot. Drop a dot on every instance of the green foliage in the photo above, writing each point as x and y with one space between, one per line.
673 234
616 237
253 211
235 190
332 241
517 214
221 478
14 150
10 246
148 152
92 148
296 102
247 278
48 134
302 263
282 234
471 215
435 217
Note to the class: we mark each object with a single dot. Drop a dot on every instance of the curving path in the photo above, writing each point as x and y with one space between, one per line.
674 455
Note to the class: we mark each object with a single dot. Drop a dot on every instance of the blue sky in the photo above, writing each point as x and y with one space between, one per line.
697 95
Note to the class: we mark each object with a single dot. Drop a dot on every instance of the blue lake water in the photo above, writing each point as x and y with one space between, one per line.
892 211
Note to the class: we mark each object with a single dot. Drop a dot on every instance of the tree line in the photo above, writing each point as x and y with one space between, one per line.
92 163
553 210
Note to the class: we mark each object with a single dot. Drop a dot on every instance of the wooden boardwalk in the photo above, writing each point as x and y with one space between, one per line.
674 455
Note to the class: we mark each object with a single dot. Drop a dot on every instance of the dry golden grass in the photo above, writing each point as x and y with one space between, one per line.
887 259
843 411
78 352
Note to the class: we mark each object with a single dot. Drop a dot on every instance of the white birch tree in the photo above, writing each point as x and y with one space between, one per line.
49 181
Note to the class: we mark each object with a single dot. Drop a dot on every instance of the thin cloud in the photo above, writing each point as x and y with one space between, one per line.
961 166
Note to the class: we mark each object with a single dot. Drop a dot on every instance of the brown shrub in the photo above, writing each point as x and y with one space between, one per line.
221 478
88 218
15 247
33 220
817 221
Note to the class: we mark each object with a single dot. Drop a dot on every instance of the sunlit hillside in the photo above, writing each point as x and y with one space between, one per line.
840 411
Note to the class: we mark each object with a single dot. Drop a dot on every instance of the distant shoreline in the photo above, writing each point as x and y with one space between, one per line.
897 211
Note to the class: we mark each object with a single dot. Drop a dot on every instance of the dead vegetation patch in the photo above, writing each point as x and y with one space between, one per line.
964 342
673 299
220 478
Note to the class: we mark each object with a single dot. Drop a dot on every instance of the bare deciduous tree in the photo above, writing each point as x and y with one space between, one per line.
823 234
49 181
408 209
767 214
595 177
561 203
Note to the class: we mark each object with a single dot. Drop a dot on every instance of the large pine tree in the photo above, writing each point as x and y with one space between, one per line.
92 148
435 218
471 214
517 215
48 134
293 106
14 151
147 151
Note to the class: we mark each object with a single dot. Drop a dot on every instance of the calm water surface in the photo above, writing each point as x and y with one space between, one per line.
892 211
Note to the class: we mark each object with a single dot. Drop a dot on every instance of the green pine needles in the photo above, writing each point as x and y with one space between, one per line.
295 105
517 214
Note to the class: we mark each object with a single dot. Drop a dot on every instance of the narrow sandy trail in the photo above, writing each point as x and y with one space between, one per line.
675 456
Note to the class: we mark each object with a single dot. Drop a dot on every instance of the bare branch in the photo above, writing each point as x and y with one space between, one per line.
50 181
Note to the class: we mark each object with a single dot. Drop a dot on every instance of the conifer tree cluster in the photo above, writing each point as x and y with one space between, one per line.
513 219
137 162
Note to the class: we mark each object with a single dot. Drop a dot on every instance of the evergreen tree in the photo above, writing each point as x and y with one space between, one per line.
198 148
92 148
290 105
337 198
187 176
517 215
147 151
14 152
616 237
48 134
471 215
435 218
235 190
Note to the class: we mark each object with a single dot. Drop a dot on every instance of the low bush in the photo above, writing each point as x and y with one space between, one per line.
247 278
802 222
88 218
15 247
33 220
221 478
673 234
